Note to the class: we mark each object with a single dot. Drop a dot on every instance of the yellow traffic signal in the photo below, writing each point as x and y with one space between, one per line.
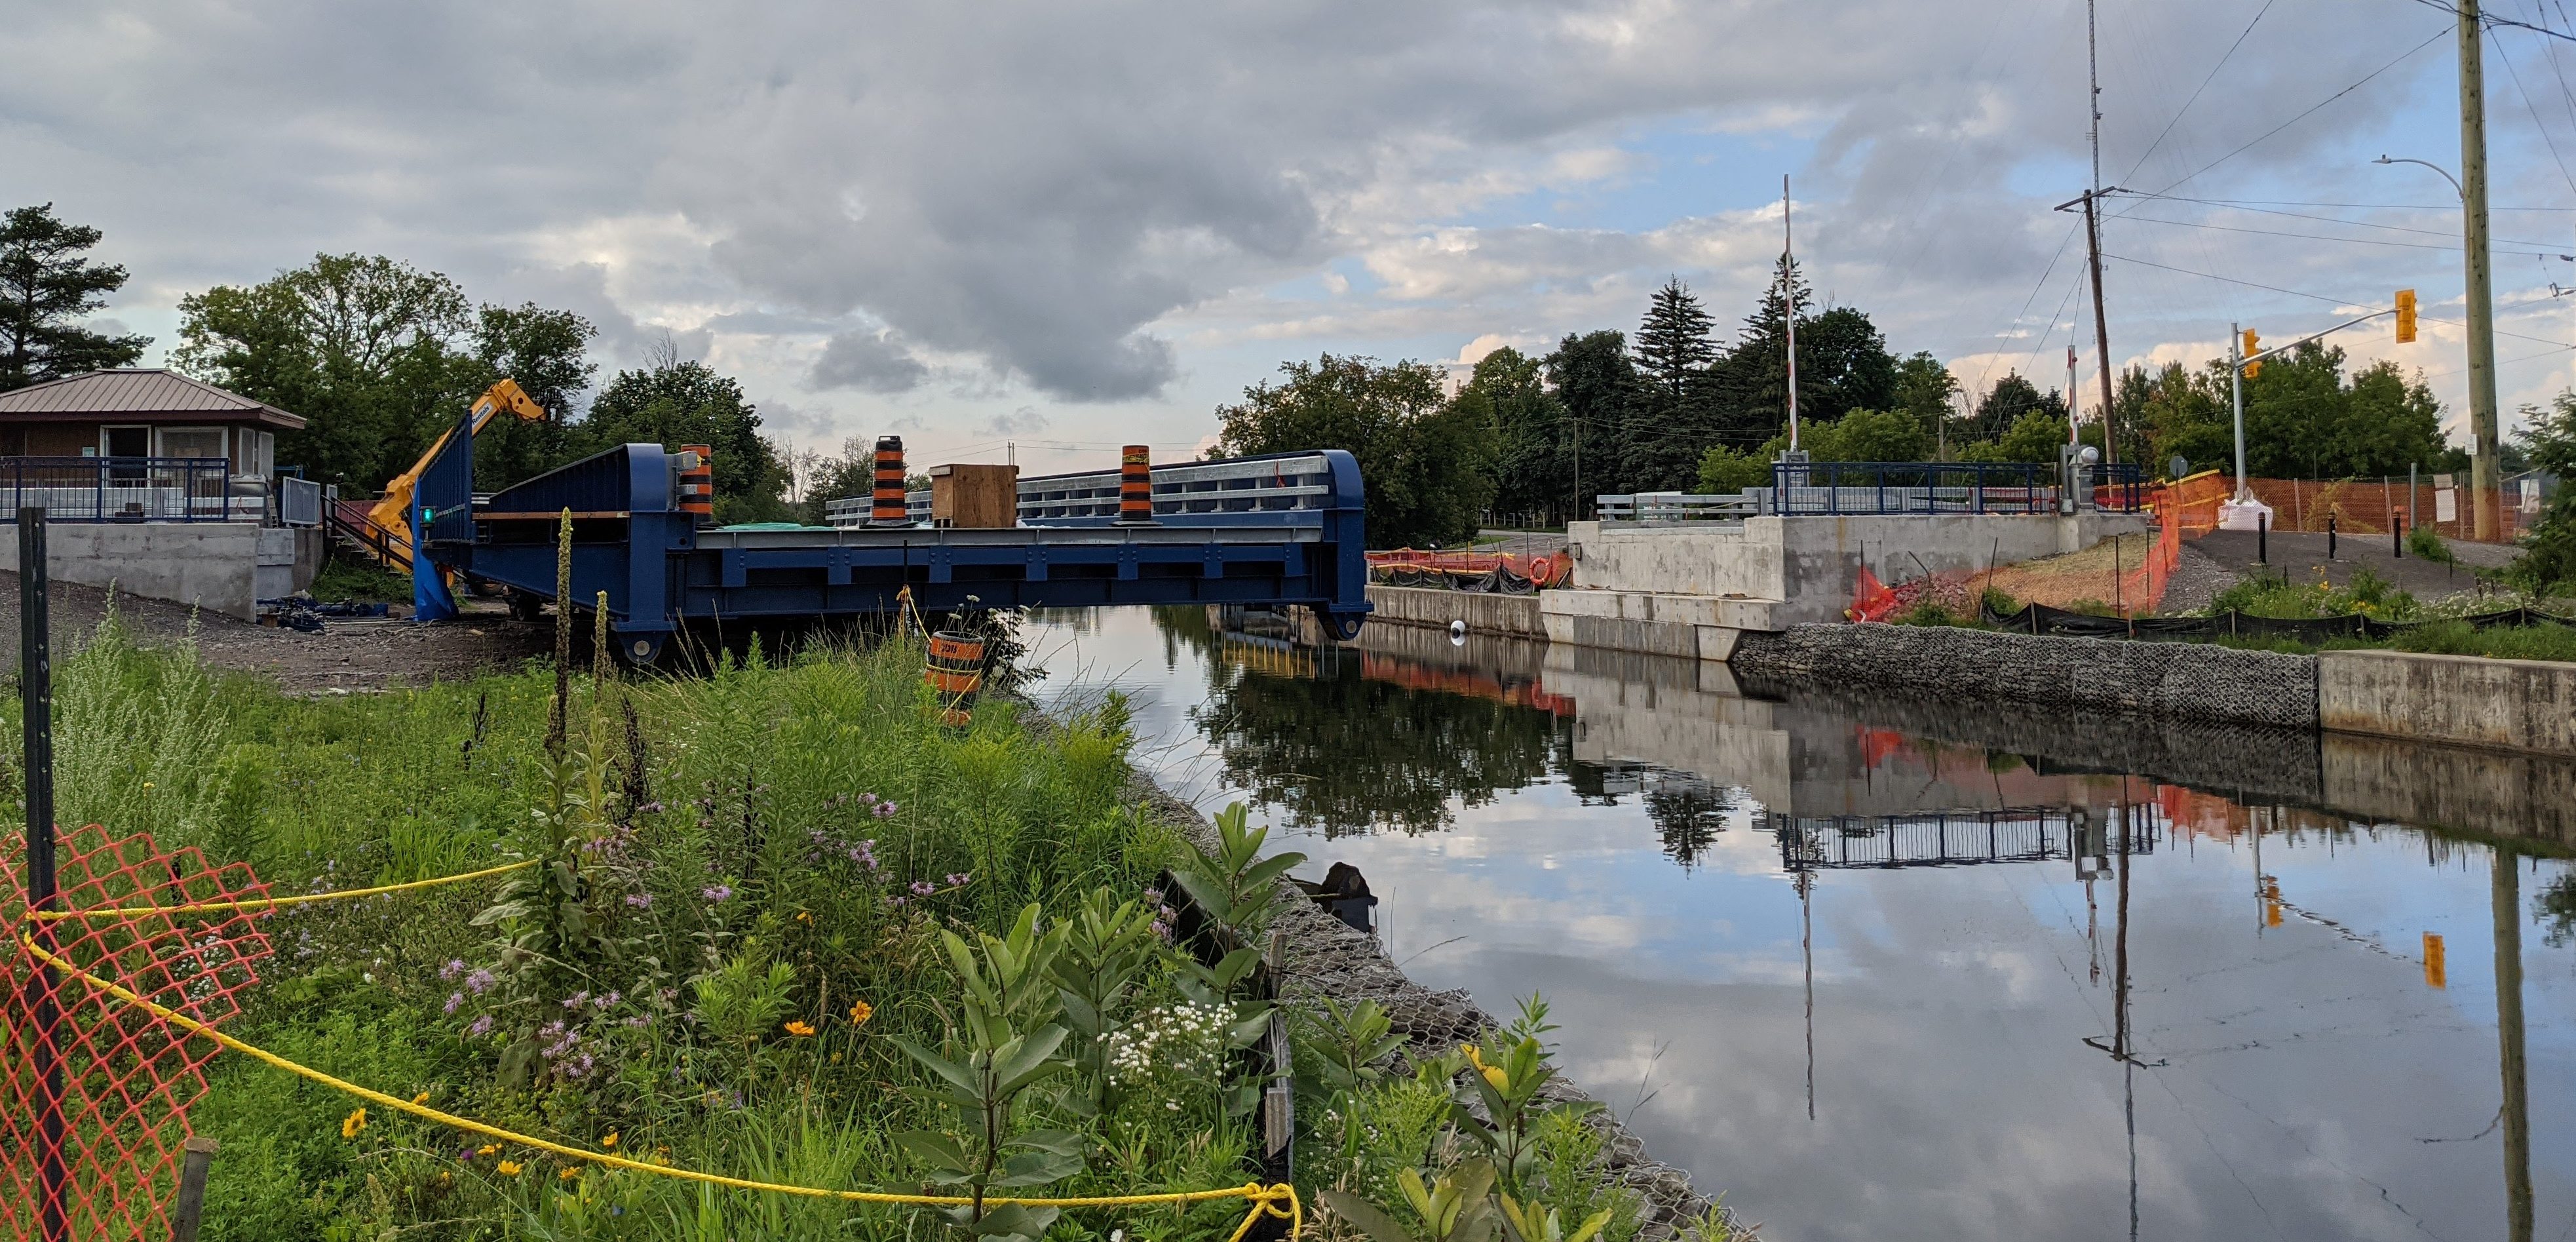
2405 316
2252 344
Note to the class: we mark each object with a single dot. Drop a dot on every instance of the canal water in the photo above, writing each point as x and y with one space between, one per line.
1881 969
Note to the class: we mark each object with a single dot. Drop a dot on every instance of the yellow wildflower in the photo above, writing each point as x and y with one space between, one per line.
569 1172
422 1098
1493 1073
860 1012
800 1029
507 1168
609 1143
487 1149
354 1122
804 916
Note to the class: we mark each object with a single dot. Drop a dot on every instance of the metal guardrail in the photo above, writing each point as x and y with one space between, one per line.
1250 485
1665 507
1921 487
299 502
126 489
1945 838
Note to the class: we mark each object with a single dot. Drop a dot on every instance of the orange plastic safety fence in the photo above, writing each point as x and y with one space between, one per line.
1543 570
127 1078
2192 503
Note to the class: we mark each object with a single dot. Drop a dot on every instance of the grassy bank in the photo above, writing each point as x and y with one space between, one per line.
786 922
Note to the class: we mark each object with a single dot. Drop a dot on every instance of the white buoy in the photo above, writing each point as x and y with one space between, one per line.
1457 633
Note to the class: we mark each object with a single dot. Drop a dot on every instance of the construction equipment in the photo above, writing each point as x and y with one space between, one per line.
384 532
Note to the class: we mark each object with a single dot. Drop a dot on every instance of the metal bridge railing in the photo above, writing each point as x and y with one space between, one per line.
1944 838
1923 487
1247 486
125 489
1673 507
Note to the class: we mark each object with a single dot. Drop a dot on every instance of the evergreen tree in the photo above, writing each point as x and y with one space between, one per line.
1754 377
1926 389
1534 457
2005 403
1671 418
1594 379
46 283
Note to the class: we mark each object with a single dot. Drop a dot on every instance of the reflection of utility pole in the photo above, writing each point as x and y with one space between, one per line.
1807 950
2120 942
2507 906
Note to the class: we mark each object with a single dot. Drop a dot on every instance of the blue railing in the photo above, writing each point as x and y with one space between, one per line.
125 489
1927 487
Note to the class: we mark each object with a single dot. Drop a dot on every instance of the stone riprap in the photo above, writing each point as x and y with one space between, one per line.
2164 679
1327 958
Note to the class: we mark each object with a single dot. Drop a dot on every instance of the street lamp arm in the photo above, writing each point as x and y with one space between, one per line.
2446 173
2285 348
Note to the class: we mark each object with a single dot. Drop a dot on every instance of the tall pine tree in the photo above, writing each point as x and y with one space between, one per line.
47 283
1670 420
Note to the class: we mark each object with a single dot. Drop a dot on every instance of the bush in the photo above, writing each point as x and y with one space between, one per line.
2425 542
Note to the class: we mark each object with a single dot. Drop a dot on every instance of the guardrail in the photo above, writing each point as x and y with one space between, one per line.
1209 493
1666 507
1922 487
125 489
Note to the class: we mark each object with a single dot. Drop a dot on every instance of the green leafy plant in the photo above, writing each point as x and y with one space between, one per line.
1538 1223
2425 542
1234 884
1008 1046
1508 1079
1110 948
1458 1207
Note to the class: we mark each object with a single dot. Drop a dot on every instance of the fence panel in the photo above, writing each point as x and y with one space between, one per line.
123 489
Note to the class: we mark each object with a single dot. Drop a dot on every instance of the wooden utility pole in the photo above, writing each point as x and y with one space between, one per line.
2473 213
2093 235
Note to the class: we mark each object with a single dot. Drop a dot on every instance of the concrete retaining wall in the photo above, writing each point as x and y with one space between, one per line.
2166 679
208 565
2523 705
1485 612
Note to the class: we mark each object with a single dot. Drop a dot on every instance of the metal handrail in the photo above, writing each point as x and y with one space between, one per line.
126 489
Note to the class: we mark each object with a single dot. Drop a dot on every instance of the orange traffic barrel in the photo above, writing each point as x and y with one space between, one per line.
698 480
885 507
1135 485
955 669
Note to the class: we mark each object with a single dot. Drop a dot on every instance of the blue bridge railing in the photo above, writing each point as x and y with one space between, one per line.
1927 487
125 489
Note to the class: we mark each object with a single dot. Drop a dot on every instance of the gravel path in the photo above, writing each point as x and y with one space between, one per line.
346 657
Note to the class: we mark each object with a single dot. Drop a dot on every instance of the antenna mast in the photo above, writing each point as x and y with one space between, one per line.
1789 304
2093 238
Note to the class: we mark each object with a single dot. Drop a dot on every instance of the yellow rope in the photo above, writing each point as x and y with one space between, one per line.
271 903
1266 1200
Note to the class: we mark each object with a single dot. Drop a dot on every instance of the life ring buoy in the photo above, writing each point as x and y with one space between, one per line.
1542 571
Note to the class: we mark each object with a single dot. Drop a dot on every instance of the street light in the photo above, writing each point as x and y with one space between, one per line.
2481 305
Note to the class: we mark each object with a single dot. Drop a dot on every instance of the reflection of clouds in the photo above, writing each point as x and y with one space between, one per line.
1955 1097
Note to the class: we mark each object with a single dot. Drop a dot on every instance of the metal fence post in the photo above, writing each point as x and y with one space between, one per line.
36 703
191 1207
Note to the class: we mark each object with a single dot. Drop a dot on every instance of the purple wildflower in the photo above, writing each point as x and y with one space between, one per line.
640 901
453 968
957 879
886 810
481 1027
454 999
716 894
608 1001
923 888
480 981
577 999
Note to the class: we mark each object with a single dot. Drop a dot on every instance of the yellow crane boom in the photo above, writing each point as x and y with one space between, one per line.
391 516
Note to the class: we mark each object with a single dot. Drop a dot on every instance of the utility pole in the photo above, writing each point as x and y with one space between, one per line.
2093 234
1789 301
2473 227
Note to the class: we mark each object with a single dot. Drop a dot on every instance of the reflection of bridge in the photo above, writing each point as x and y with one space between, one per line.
1950 838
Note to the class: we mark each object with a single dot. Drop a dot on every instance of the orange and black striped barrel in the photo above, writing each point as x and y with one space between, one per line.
698 480
955 669
886 507
1135 485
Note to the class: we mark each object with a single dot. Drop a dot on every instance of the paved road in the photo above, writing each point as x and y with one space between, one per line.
2302 554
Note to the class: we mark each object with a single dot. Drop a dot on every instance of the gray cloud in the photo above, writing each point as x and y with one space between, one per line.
869 362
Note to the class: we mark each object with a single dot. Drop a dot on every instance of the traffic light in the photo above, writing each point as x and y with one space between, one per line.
2405 316
2252 347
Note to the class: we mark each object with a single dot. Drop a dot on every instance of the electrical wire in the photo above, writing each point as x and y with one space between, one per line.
2516 74
2490 21
2313 108
2331 301
2196 91
2361 241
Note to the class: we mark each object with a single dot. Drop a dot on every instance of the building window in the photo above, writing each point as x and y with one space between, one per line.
125 442
192 442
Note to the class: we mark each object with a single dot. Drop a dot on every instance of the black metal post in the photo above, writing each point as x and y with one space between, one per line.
2397 534
2330 536
191 1208
36 713
2263 538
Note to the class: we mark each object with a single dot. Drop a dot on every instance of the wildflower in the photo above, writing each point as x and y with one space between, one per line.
639 901
455 966
607 1001
800 1028
923 888
716 894
568 1173
860 1012
481 981
886 810
453 1000
507 1168
957 879
609 1143
479 1028
422 1098
487 1149
354 1122
577 999
804 916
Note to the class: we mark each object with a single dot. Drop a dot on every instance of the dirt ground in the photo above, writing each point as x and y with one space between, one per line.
348 656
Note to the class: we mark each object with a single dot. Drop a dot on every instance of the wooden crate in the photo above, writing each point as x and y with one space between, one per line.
975 497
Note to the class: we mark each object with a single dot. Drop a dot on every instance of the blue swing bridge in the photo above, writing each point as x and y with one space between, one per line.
1279 531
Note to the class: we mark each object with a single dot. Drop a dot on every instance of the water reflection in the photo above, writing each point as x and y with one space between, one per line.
1888 968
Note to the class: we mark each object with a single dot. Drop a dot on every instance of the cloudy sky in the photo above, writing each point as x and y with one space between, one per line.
1077 224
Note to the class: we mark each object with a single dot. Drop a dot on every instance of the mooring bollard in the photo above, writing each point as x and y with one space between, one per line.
2263 538
2397 535
2330 536
192 1188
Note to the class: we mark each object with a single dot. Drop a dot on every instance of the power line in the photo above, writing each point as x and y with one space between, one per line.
2534 110
2301 293
2358 241
2195 94
2490 22
2312 109
2296 215
2295 202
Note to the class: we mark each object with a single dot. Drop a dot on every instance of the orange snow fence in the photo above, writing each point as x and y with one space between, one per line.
1470 571
128 1077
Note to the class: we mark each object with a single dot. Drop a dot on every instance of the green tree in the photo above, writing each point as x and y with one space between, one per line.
1925 389
364 347
2005 403
677 403
1861 435
1843 364
1671 415
47 283
1594 379
2034 437
1534 443
1428 463
547 352
2305 419
2548 560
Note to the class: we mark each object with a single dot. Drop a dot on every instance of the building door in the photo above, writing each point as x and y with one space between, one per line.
132 445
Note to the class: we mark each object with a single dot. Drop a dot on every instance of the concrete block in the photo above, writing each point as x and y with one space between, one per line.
2523 705
1484 612
208 565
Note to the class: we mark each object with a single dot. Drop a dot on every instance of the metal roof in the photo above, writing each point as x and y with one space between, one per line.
137 391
